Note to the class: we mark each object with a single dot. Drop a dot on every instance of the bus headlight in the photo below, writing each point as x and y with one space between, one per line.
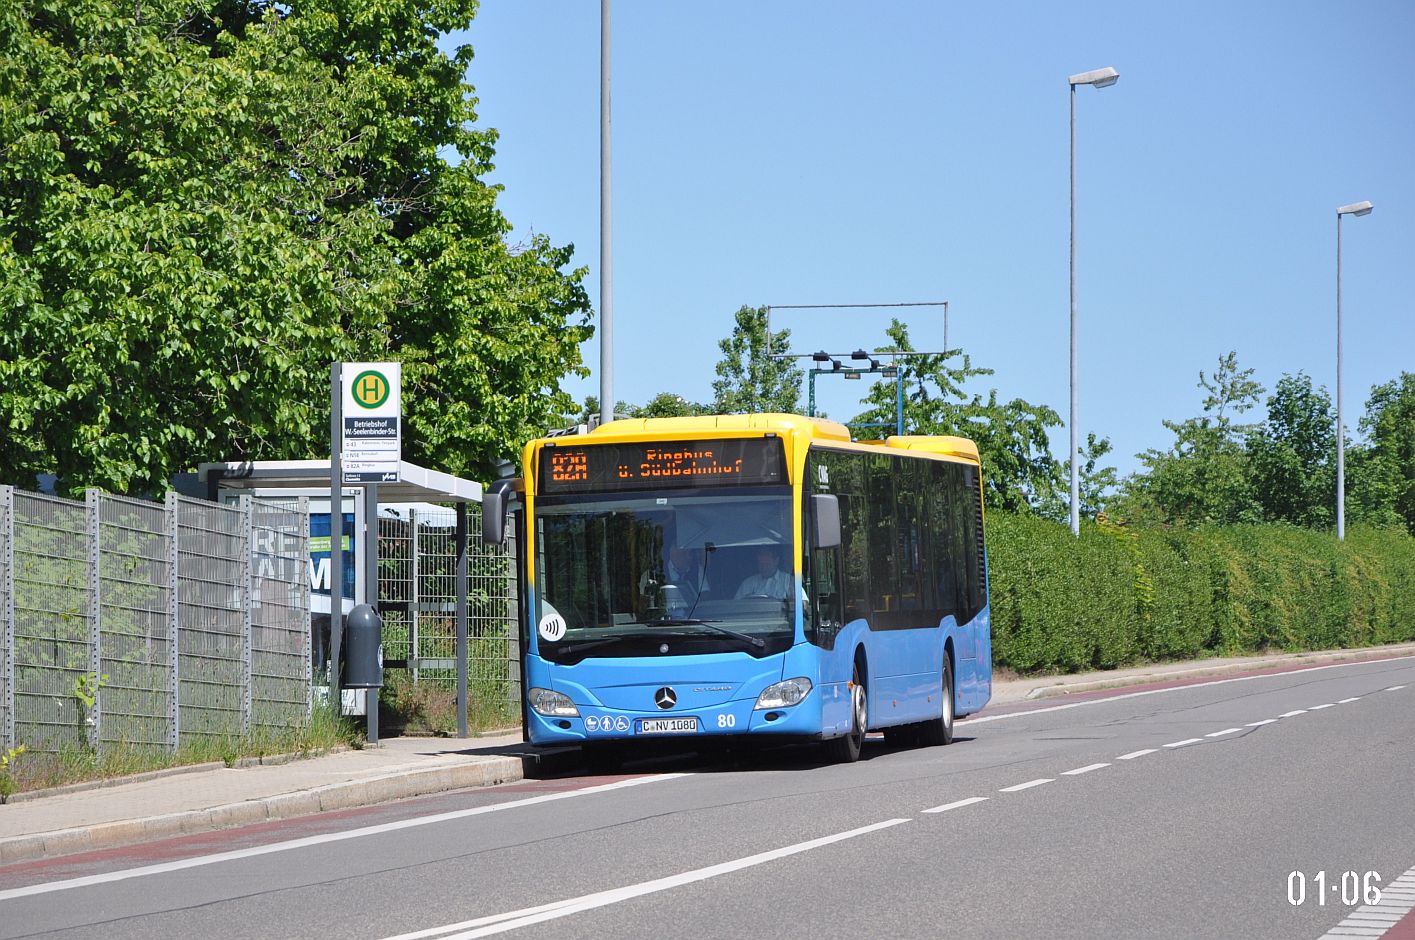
552 704
784 694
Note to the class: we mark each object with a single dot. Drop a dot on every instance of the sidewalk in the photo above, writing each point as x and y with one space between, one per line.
201 799
189 800
1045 687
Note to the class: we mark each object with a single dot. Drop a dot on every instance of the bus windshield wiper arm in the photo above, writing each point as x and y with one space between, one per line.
567 648
756 641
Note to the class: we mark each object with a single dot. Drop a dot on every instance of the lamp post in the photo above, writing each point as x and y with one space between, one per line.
1100 78
606 230
1356 208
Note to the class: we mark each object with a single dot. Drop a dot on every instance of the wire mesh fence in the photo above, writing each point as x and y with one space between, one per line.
146 625
418 603
211 603
7 618
136 624
51 625
135 597
279 690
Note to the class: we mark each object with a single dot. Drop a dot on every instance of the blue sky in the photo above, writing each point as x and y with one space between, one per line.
832 152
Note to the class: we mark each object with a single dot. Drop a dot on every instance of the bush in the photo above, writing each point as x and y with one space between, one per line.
1117 595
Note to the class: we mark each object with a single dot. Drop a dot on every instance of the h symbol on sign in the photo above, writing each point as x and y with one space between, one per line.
371 388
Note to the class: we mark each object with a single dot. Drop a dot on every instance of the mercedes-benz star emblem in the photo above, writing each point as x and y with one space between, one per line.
665 698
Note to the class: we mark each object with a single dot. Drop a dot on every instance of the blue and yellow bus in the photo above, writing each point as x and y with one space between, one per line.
749 575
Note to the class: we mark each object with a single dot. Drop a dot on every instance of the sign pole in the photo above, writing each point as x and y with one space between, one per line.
371 592
370 451
336 534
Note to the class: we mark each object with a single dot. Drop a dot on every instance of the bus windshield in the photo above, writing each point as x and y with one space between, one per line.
670 573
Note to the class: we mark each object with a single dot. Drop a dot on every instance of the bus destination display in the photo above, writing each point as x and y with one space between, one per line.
659 465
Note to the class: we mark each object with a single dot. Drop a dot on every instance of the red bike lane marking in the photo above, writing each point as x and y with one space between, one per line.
176 848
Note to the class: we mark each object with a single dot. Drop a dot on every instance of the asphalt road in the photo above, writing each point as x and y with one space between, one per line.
1170 813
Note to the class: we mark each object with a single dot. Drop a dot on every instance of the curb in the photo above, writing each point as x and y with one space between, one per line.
1277 662
391 785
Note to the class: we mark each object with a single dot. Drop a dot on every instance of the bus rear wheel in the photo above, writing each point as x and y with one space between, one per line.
939 731
846 749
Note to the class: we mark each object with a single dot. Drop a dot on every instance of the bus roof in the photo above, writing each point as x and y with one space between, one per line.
941 444
817 429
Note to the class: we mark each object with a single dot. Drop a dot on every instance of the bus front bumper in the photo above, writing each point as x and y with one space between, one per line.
737 717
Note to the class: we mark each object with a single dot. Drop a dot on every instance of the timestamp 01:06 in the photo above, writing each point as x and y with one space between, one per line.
1351 887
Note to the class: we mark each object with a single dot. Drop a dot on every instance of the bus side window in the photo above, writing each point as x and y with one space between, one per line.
848 483
941 548
883 584
973 495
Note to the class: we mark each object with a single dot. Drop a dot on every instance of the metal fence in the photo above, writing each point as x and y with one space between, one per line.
417 588
143 624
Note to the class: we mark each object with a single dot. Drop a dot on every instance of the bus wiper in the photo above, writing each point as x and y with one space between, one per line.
565 649
755 641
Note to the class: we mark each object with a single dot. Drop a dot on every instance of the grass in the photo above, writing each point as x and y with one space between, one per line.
430 705
32 770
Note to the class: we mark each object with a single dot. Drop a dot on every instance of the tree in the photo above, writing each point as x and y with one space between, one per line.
1095 482
662 405
1203 477
1018 469
201 206
1381 475
1292 455
748 379
666 405
1231 388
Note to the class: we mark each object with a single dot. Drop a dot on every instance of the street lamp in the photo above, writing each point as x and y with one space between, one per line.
606 228
1356 208
1100 78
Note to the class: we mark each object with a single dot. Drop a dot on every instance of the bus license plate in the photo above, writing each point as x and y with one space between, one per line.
667 726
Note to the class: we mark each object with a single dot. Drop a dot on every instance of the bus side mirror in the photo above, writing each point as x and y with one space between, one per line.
826 531
493 518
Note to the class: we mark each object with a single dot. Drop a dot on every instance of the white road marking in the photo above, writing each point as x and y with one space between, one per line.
1375 920
513 920
1294 713
1259 724
1180 688
253 851
1345 701
1219 734
1027 786
1134 754
1317 708
1184 742
956 804
1083 770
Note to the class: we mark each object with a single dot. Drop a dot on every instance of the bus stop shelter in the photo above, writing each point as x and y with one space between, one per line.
414 484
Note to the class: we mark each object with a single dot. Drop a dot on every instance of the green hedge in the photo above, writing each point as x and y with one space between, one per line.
1117 596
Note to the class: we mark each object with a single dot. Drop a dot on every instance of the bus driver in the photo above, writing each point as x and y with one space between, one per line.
769 580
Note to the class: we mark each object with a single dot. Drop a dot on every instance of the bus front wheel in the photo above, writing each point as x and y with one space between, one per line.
846 749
